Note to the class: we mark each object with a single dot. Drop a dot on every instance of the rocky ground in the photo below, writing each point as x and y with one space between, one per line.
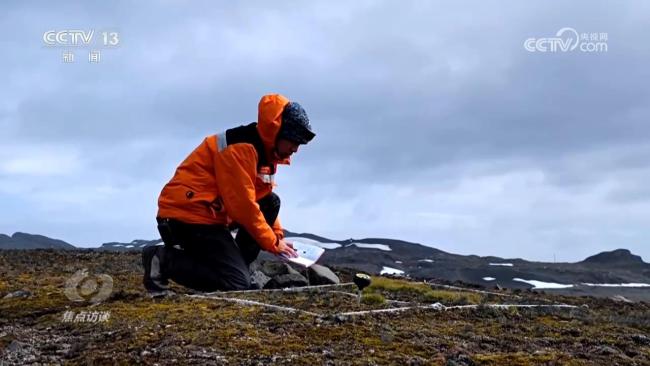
39 324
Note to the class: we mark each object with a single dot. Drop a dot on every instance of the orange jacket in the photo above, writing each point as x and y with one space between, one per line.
221 180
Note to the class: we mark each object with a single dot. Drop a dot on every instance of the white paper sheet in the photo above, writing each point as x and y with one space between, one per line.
307 254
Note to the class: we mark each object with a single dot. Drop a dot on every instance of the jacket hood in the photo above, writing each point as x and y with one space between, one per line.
269 120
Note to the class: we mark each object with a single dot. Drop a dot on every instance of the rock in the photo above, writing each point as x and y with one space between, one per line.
273 269
327 353
161 294
321 275
275 274
620 298
282 275
460 360
438 306
15 346
340 319
287 280
259 279
18 294
387 336
416 361
605 351
641 339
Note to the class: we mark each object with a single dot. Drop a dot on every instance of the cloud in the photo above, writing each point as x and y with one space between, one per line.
38 161
433 123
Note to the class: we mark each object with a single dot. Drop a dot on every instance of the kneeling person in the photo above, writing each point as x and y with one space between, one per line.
226 182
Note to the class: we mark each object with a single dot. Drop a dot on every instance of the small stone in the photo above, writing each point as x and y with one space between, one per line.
605 351
341 318
15 346
18 294
145 353
620 298
386 337
438 306
460 360
327 353
416 361
641 339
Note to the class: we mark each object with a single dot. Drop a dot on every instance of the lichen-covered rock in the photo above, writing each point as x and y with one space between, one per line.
259 279
321 275
277 275
287 280
272 269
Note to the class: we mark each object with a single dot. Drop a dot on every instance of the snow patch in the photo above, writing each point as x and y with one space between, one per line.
398 262
426 260
501 264
129 246
373 246
542 285
617 284
327 245
489 278
390 270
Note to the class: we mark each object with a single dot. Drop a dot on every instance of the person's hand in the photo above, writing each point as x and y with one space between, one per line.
286 250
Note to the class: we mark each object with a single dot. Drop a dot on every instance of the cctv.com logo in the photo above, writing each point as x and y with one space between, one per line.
83 287
568 40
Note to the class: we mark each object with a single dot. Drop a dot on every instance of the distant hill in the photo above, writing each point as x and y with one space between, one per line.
617 272
30 241
616 257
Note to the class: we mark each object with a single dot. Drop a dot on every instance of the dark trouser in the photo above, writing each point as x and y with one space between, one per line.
211 259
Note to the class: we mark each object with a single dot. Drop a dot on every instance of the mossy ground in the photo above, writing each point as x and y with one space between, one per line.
420 292
184 330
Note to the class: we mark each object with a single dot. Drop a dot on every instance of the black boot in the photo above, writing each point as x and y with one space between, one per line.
155 282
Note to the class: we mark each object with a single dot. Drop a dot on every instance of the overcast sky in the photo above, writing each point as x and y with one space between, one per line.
434 123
